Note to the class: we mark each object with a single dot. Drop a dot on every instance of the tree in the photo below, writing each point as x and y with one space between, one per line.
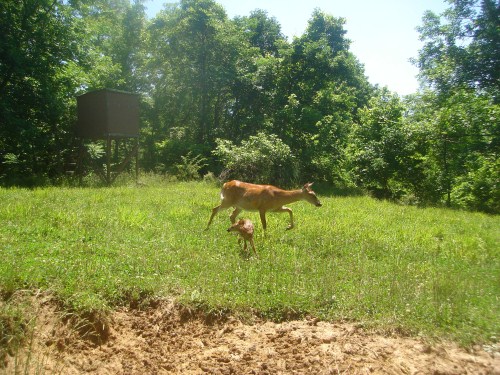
464 129
321 86
113 42
196 50
462 48
378 145
459 66
37 49
255 90
262 32
50 52
129 49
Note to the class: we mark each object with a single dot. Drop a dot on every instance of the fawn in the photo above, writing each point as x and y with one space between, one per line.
244 227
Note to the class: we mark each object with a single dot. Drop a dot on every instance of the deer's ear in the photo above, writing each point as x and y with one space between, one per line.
308 185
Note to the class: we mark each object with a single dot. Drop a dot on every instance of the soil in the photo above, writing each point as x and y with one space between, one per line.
169 339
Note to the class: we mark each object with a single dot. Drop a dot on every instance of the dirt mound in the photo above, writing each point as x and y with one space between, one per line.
168 339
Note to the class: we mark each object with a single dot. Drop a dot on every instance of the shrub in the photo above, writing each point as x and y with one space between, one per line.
262 158
189 167
478 189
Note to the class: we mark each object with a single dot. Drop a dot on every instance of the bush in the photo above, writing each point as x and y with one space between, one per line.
479 188
262 158
189 168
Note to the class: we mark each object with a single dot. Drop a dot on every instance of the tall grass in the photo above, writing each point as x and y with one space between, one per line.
429 271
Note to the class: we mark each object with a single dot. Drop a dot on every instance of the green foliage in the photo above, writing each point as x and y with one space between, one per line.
34 85
478 189
50 52
194 70
175 152
203 77
261 158
189 168
461 48
322 88
459 112
95 150
378 145
431 272
262 32
453 138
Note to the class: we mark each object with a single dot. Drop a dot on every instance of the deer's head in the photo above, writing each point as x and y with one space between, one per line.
310 195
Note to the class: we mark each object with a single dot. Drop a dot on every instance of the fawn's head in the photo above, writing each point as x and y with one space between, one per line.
236 226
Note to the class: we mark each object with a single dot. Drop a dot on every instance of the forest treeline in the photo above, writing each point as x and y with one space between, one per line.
236 98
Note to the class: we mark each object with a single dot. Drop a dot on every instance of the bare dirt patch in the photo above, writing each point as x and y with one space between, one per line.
168 339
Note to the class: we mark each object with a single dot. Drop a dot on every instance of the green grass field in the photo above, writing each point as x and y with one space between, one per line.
431 272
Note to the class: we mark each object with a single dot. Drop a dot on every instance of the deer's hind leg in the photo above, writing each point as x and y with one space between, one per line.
263 219
289 210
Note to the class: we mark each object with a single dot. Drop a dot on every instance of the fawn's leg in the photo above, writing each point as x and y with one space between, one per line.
253 247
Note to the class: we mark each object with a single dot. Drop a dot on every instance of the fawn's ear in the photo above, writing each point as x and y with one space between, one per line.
241 222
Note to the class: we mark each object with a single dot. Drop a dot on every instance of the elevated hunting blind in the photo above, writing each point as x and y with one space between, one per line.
109 115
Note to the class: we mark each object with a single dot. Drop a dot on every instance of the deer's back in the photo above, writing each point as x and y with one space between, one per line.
249 196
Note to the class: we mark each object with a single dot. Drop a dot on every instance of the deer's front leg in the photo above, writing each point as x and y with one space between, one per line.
235 214
214 212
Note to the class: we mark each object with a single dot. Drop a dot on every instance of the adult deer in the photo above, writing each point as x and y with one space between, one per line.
262 198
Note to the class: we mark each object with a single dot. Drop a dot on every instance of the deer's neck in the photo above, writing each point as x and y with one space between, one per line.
290 196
